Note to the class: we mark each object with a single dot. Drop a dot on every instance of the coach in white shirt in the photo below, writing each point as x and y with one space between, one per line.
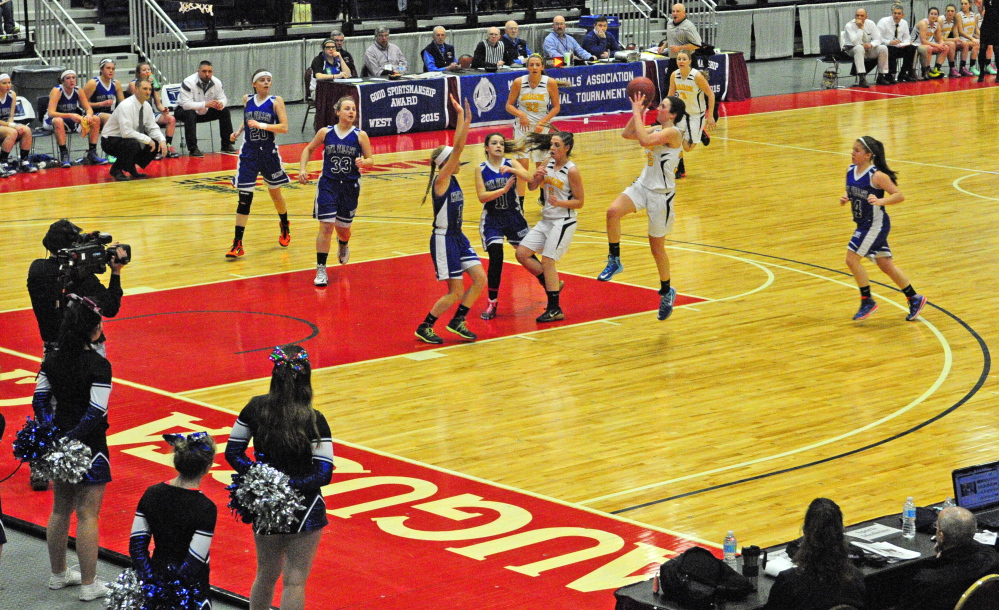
201 100
895 33
862 40
132 135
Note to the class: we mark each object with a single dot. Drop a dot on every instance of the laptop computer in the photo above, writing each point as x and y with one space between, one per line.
976 488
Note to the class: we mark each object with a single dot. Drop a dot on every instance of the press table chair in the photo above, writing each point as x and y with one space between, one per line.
983 595
169 95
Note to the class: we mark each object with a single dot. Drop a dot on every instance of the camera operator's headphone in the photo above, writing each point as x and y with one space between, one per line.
62 234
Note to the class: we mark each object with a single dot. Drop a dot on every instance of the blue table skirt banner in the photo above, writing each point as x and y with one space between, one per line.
597 89
396 107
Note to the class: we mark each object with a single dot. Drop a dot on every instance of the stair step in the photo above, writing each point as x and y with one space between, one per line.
111 42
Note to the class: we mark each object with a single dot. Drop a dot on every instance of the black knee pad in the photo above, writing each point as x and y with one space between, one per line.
245 199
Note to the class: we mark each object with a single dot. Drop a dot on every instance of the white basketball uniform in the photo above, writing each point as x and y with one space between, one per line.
969 23
654 189
553 233
696 102
534 102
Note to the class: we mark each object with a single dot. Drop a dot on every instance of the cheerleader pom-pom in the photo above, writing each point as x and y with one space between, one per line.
237 508
33 441
265 493
125 593
69 461
171 591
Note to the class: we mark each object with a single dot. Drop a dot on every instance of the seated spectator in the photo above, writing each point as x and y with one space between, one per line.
69 112
600 43
340 40
930 44
895 32
558 44
862 40
489 53
162 114
516 48
329 65
384 58
12 132
823 576
202 100
439 56
960 561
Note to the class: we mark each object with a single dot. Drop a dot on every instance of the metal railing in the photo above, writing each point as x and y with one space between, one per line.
157 38
635 16
702 13
59 40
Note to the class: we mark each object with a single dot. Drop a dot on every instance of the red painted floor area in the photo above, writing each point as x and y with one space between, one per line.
233 324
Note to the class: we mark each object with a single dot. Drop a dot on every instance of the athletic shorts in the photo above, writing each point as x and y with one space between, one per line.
336 201
263 161
493 228
551 237
452 256
658 206
696 127
71 126
870 243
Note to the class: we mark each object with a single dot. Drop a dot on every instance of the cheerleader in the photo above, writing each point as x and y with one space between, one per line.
563 195
78 380
69 112
453 256
294 438
12 132
263 116
692 87
163 117
177 518
654 189
502 214
346 151
867 181
533 102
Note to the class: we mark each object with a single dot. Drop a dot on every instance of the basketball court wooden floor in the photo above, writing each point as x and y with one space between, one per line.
558 464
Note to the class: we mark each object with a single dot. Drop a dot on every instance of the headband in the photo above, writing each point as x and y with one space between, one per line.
66 73
296 363
86 302
4 76
261 75
442 158
105 62
865 144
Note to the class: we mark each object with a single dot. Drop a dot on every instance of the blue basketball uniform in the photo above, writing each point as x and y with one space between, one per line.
103 94
259 154
67 104
6 107
871 237
340 182
449 248
501 217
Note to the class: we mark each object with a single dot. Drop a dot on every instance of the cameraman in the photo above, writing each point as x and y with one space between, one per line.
47 285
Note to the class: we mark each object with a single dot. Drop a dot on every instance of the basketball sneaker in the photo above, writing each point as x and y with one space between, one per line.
975 71
285 238
321 278
459 328
705 138
550 315
991 69
490 311
867 307
666 304
915 306
91 158
236 250
613 267
64 159
967 72
342 252
425 333
954 73
69 578
935 72
27 167
6 172
172 153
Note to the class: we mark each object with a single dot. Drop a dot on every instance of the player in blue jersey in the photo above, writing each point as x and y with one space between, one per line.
68 112
453 256
263 116
867 182
12 132
502 213
346 151
103 91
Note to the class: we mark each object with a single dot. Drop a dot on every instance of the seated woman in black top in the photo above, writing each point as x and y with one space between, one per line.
178 518
823 576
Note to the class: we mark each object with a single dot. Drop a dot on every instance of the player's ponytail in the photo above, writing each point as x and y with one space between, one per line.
679 110
877 150
543 141
433 170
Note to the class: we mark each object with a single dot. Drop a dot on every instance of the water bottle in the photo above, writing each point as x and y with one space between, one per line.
909 519
948 503
729 548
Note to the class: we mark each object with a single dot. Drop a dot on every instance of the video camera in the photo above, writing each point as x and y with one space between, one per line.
88 254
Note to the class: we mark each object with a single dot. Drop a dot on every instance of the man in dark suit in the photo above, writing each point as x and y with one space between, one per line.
438 56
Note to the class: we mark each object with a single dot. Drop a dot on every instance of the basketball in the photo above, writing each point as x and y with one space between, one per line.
644 86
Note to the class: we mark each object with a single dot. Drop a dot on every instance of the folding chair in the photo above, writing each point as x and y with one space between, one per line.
983 595
169 95
831 52
310 101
